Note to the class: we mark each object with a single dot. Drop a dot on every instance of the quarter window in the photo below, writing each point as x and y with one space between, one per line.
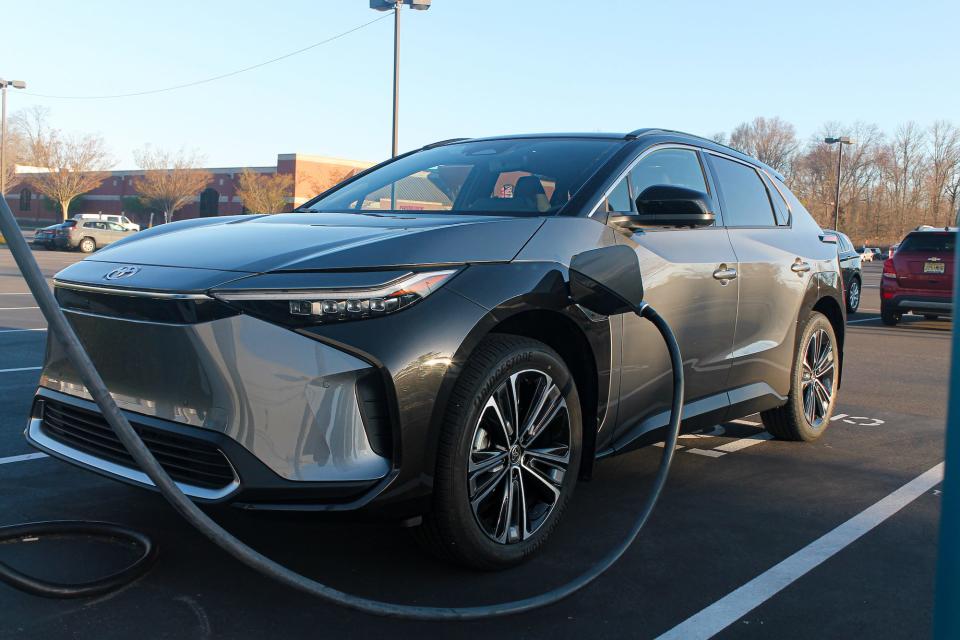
619 198
746 202
780 210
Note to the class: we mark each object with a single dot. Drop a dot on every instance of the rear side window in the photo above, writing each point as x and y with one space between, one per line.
929 242
745 199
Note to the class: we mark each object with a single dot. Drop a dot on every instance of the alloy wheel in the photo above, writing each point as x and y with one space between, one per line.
853 295
519 456
817 377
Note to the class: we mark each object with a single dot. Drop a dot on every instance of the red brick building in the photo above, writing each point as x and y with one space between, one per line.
311 175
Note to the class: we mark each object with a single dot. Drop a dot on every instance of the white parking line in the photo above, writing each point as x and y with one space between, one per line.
23 458
21 330
16 308
750 423
20 369
862 320
724 612
743 443
709 453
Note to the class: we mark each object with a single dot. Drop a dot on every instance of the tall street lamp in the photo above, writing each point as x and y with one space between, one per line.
841 141
16 84
394 5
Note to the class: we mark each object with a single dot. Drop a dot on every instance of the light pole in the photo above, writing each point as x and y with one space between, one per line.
16 84
394 5
842 141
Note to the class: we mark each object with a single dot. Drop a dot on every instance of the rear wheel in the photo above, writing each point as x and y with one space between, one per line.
813 390
87 245
508 456
853 296
889 316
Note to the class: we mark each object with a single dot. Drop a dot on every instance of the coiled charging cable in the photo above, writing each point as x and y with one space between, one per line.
64 333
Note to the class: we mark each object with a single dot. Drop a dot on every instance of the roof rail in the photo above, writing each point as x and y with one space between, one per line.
643 132
440 143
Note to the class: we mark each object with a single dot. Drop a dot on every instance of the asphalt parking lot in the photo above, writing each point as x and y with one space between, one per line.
736 506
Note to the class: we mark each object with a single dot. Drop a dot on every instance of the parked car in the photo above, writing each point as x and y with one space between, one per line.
892 250
869 254
44 237
850 261
122 220
88 235
405 343
919 276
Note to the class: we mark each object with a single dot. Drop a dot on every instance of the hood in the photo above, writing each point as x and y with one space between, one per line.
315 241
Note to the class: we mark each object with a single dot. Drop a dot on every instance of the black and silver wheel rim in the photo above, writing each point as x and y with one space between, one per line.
853 296
519 457
817 378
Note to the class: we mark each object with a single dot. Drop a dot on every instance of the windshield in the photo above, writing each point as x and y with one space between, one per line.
929 242
521 176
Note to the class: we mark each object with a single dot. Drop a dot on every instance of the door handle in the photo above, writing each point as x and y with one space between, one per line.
724 273
800 267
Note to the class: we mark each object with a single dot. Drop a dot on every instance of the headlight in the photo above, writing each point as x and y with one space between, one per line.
301 307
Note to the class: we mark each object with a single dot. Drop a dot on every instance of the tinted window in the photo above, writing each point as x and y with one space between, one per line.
619 198
676 167
522 176
745 199
780 210
929 242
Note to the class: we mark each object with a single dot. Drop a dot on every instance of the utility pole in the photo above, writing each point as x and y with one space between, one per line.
842 141
395 5
16 84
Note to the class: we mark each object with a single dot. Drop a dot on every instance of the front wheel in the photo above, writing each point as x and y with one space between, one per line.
87 245
813 391
508 455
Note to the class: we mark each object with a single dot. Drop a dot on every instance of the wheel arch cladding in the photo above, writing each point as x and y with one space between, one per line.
561 334
829 307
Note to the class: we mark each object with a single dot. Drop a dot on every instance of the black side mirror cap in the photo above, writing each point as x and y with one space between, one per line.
664 205
607 280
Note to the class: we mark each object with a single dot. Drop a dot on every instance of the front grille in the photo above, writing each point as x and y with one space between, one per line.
187 460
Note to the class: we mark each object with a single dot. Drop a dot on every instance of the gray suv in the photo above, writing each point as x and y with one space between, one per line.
405 343
88 235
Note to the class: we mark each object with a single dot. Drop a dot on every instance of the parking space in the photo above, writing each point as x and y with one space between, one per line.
737 505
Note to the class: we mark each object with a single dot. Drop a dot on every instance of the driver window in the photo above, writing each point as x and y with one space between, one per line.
675 167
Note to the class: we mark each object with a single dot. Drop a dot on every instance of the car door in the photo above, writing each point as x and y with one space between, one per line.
774 273
849 260
114 232
689 277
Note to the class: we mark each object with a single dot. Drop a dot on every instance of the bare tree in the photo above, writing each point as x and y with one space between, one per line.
170 179
769 140
264 192
66 166
944 163
15 150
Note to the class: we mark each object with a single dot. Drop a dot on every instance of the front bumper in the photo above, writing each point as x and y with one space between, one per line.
283 409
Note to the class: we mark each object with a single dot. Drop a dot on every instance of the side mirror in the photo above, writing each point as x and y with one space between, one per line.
664 205
607 280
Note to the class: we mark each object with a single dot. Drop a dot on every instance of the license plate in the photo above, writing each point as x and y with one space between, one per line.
933 267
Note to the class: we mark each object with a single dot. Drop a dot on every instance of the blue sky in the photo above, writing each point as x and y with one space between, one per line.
474 68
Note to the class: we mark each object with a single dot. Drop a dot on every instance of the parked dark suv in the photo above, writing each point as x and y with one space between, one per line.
919 275
405 343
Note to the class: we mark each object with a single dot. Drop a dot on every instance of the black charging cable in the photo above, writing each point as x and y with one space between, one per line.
64 333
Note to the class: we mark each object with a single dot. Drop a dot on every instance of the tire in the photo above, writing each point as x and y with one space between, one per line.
930 316
87 245
481 537
853 295
793 420
889 317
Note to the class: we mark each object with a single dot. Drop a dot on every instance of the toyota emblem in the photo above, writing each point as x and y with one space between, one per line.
121 272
